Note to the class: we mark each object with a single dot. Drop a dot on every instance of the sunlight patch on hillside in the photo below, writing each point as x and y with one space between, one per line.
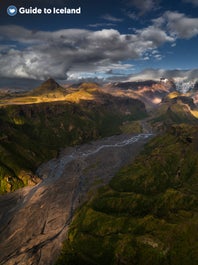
79 95
195 113
174 94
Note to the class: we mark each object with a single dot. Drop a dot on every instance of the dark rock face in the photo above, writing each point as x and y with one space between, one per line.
185 100
192 87
195 89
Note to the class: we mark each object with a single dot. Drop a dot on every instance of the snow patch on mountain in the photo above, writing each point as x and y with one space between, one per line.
184 86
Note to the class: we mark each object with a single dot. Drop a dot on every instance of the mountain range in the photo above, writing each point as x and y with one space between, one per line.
147 214
36 124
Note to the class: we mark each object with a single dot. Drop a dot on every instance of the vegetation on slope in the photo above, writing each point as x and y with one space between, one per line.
148 214
48 88
33 133
175 109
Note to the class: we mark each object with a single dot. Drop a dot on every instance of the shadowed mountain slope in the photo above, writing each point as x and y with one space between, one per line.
148 214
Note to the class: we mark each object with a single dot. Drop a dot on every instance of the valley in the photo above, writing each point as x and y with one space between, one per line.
111 167
34 221
147 214
99 132
33 133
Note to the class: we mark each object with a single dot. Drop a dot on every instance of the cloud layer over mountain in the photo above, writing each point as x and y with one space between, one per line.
156 74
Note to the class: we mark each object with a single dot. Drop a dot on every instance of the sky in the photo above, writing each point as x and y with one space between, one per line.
111 40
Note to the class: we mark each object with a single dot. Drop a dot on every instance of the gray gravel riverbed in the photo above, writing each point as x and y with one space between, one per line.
35 220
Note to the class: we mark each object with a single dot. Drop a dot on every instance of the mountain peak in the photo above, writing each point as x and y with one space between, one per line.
48 86
50 83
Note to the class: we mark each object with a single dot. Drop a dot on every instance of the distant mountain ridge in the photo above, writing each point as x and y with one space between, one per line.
138 85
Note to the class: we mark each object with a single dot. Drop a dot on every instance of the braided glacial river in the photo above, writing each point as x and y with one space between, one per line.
35 220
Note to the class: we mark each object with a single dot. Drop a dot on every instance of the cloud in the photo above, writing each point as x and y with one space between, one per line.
156 35
112 18
103 25
131 15
194 2
42 54
156 74
181 26
102 73
55 53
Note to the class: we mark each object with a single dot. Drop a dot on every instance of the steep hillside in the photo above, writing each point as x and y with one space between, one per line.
175 108
33 133
148 214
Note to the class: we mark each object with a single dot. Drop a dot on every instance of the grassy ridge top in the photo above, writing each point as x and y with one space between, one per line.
148 213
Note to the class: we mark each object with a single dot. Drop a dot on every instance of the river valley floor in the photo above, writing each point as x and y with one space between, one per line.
35 220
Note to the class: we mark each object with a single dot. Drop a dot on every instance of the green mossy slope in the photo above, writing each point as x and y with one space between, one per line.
33 133
176 110
148 214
